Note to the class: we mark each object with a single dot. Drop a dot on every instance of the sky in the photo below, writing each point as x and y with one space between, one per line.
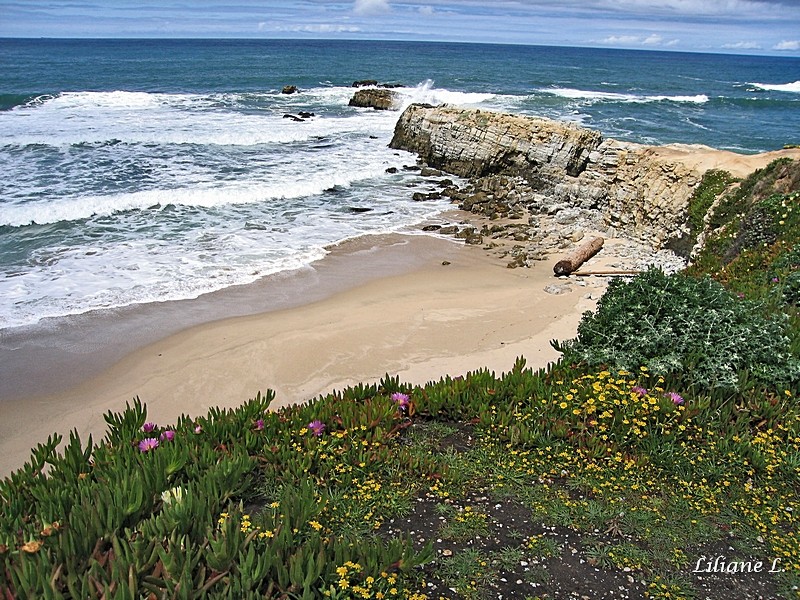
729 26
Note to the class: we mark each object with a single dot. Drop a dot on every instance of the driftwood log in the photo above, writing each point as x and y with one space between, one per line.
577 257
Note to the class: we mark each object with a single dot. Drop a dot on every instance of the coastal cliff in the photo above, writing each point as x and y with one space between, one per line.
643 191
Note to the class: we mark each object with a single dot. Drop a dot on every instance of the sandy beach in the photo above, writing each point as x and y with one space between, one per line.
416 306
387 304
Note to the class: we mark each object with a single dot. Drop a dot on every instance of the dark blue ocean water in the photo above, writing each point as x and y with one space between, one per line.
144 170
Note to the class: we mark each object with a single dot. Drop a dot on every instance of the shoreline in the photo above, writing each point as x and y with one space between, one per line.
409 304
78 347
374 305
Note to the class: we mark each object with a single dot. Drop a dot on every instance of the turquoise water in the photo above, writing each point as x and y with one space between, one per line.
146 170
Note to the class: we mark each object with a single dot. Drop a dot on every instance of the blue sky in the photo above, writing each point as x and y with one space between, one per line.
737 26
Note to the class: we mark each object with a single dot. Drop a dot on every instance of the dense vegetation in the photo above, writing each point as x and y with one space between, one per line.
669 433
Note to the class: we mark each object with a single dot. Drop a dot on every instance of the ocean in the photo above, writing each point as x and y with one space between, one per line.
139 171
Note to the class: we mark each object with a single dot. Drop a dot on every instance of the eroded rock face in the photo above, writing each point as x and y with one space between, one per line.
380 99
473 143
631 187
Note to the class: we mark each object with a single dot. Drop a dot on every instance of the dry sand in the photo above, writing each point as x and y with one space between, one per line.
421 325
704 158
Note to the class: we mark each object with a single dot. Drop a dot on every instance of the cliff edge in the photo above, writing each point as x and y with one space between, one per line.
641 190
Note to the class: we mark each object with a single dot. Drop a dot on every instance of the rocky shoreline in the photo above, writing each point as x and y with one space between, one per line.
553 167
528 188
501 214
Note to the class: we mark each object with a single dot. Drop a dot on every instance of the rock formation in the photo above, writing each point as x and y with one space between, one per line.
380 99
567 168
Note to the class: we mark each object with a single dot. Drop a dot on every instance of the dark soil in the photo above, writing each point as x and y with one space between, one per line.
569 572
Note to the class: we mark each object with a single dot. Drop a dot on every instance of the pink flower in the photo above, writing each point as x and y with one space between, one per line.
198 429
168 436
316 427
402 400
148 444
639 390
148 427
675 397
259 424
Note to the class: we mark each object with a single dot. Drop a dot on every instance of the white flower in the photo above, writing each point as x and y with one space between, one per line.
173 495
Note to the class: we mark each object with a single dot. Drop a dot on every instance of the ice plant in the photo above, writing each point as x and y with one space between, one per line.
148 444
173 495
168 435
402 400
316 427
675 397
198 429
148 427
639 390
259 425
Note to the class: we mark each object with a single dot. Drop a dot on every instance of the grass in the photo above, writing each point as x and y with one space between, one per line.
577 480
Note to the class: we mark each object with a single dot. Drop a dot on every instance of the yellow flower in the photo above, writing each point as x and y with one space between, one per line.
315 524
563 405
31 547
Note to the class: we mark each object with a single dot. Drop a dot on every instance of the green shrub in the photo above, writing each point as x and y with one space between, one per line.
677 323
713 184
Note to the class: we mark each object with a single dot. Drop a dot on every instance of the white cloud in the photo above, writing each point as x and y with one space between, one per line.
371 7
313 28
787 45
742 46
621 39
653 39
694 7
426 10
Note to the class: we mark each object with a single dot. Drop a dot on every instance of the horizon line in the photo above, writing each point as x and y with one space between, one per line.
762 53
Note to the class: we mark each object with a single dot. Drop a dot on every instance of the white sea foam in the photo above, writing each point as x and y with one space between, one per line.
138 117
319 173
183 252
595 96
793 87
425 92
131 273
142 197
